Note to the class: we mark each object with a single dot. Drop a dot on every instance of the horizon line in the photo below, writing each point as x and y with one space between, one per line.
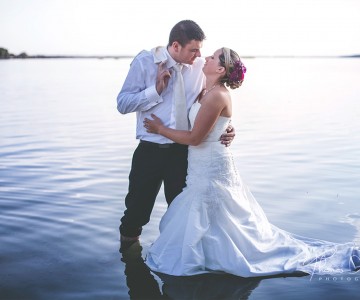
26 56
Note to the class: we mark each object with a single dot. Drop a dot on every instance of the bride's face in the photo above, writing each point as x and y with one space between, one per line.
212 62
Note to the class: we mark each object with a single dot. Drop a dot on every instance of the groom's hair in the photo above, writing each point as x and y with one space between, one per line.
186 31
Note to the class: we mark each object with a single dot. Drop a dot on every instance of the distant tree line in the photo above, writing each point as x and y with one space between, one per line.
4 54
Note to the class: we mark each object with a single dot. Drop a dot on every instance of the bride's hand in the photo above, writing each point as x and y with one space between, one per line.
154 125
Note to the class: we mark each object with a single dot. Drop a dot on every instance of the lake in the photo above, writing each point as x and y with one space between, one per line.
66 152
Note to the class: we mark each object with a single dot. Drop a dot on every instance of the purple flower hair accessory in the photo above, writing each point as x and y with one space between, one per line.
238 72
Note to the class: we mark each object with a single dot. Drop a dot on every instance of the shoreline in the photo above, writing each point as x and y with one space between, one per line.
6 54
68 56
132 56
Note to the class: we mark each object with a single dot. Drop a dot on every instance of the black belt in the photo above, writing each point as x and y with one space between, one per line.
162 146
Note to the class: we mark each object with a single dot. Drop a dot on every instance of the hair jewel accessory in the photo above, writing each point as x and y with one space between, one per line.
238 72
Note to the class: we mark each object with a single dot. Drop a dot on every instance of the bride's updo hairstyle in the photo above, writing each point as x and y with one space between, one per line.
235 69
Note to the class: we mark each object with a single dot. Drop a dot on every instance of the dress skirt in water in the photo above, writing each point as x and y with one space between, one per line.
216 225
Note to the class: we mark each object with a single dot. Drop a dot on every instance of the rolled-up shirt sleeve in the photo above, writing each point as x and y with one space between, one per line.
135 95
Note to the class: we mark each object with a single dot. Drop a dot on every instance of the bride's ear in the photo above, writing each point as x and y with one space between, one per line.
221 70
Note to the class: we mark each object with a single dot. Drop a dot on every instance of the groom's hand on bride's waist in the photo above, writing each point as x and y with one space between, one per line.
227 137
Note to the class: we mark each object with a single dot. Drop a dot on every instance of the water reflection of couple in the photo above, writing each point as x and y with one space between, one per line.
215 224
143 285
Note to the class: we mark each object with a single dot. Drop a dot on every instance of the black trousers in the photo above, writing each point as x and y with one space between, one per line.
152 165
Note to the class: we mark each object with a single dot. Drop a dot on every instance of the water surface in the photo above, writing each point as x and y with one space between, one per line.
65 157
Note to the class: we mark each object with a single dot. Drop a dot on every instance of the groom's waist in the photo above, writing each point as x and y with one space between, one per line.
162 146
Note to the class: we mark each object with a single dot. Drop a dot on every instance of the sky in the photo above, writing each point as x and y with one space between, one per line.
125 27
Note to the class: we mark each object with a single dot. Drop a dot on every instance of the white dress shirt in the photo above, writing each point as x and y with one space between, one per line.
138 93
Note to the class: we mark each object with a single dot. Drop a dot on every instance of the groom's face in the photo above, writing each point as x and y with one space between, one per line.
189 52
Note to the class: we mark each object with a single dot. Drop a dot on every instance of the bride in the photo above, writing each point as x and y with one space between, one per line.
215 224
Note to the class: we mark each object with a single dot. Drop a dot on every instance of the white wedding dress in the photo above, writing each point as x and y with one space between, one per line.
216 225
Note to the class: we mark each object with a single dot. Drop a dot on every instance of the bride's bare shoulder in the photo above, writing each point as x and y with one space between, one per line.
219 97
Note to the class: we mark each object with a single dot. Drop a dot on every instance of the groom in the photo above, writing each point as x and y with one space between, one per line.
148 88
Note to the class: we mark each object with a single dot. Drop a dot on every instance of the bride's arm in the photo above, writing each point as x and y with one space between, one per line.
204 122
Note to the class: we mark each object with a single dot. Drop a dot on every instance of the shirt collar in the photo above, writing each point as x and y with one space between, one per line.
161 53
